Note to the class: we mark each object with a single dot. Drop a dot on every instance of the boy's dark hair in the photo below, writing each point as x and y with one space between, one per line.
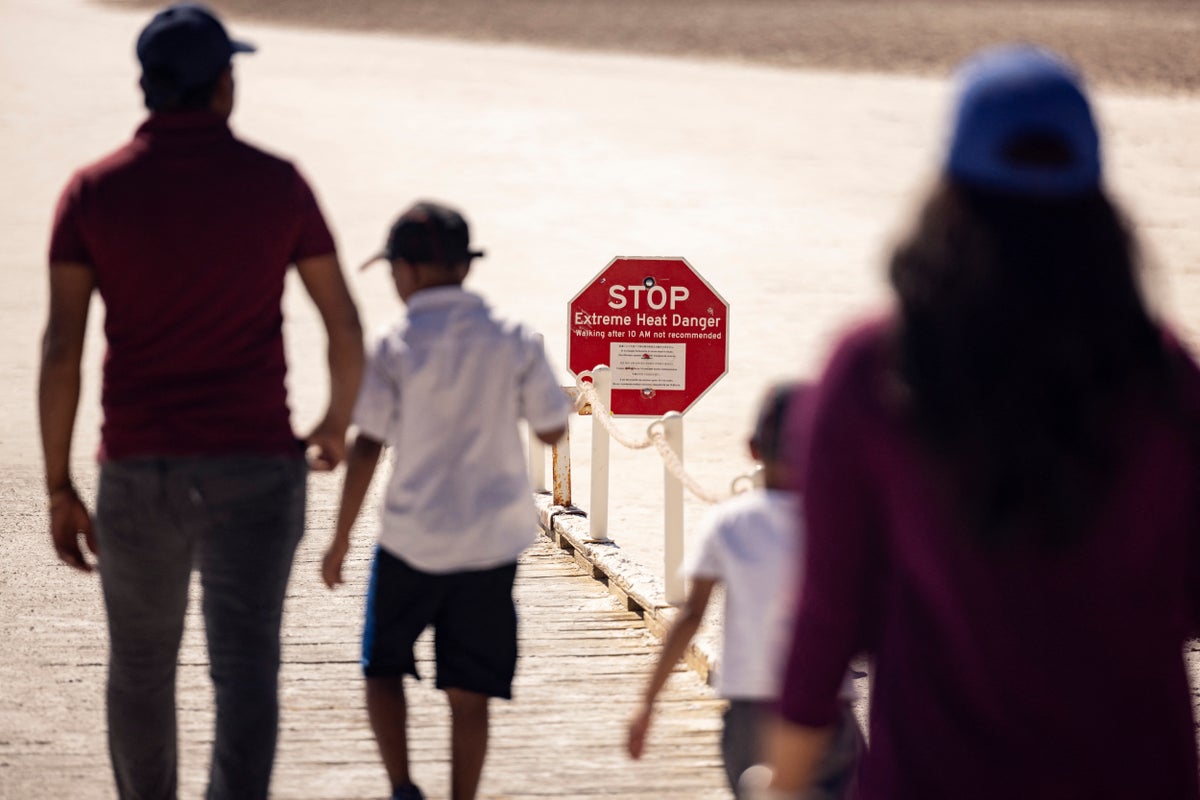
769 436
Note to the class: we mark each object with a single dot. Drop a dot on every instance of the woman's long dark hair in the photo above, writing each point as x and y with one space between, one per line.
1022 331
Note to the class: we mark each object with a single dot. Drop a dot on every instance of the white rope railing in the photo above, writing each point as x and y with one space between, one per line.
588 396
655 437
747 481
591 396
672 463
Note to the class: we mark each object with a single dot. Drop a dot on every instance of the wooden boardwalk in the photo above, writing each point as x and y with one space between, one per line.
583 661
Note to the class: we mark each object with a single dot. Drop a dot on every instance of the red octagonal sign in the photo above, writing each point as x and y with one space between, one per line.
660 328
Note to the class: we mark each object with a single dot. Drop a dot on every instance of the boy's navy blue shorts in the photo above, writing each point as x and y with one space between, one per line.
473 616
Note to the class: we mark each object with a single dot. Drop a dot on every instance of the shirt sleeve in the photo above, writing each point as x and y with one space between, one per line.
378 403
544 404
313 237
1190 379
840 522
710 556
67 241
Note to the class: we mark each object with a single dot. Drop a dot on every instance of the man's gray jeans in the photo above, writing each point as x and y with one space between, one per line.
237 520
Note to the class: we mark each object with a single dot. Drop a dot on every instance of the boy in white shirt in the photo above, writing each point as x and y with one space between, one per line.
752 546
445 388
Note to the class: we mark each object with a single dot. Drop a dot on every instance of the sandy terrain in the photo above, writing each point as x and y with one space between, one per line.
782 186
781 170
1129 43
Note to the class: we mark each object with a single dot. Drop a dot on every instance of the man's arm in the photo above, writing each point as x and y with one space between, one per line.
71 287
322 278
360 468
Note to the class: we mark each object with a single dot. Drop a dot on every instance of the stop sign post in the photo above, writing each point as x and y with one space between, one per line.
660 328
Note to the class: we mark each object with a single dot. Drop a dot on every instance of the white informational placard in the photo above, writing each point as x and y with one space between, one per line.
659 366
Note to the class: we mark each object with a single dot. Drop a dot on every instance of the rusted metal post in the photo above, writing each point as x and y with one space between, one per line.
560 455
561 458
536 450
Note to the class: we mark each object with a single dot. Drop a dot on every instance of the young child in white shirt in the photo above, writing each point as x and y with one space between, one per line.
752 547
445 388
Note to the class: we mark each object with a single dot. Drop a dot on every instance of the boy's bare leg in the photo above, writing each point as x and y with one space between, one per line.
468 741
389 720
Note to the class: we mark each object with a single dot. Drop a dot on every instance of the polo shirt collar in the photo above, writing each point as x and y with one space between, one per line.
442 298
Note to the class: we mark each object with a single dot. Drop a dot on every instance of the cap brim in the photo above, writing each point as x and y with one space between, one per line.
380 256
242 47
383 256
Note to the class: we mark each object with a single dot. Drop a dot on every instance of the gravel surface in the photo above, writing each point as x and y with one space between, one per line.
1136 44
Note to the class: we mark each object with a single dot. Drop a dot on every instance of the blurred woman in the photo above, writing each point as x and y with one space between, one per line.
1004 504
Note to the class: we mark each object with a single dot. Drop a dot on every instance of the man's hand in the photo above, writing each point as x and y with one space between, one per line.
331 564
69 519
326 446
71 287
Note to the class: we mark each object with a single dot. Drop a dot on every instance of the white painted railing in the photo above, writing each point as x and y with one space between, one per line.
592 395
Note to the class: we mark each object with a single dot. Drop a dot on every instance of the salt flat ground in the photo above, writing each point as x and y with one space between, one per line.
782 186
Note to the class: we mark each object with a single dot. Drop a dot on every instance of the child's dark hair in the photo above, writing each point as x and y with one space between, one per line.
769 437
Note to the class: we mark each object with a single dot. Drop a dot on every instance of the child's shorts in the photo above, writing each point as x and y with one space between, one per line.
472 614
742 739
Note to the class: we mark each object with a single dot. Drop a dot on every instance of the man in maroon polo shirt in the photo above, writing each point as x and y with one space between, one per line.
187 234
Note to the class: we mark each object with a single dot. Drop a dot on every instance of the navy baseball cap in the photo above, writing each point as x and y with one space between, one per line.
187 45
1012 95
428 233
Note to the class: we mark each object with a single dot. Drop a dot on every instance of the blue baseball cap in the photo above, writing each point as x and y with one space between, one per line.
187 45
1021 93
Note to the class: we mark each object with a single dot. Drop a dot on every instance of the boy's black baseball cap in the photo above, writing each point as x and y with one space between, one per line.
428 233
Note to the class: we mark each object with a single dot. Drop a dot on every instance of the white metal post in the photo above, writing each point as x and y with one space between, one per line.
598 513
537 450
673 513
